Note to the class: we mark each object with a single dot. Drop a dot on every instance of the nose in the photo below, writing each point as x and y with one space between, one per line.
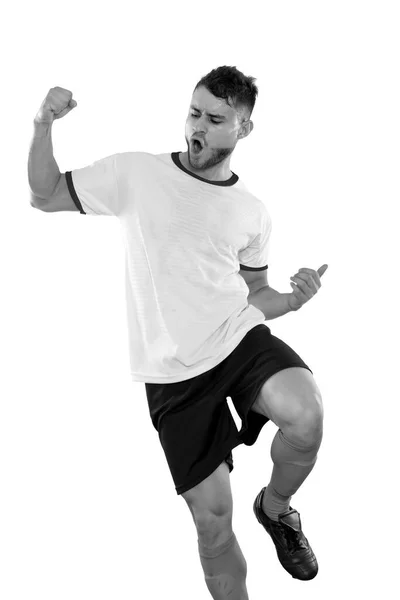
200 131
200 124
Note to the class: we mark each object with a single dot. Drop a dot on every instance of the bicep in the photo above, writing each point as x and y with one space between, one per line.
60 199
255 279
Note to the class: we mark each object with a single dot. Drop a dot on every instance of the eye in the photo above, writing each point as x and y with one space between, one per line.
212 120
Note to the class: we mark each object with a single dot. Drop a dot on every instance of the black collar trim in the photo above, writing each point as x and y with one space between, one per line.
231 181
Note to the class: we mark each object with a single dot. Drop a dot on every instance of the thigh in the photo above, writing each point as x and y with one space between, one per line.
212 495
260 361
289 396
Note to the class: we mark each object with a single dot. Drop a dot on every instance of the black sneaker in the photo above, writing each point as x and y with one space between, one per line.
294 551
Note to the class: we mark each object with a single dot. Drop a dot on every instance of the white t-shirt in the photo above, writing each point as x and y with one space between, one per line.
185 240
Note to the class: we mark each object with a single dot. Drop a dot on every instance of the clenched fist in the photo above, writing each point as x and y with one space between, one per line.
56 105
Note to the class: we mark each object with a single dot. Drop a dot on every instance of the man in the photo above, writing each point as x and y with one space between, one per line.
197 245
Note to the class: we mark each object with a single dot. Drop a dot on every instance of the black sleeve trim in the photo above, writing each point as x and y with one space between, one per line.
244 268
73 193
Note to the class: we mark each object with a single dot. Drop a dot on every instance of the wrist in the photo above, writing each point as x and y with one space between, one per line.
41 129
292 309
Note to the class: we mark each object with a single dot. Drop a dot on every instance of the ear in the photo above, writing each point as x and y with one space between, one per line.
247 128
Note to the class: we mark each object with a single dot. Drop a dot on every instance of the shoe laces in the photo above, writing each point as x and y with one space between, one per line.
294 539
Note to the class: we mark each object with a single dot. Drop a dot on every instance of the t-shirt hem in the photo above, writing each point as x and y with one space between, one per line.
189 373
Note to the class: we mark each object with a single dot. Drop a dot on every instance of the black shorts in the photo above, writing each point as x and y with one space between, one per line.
193 419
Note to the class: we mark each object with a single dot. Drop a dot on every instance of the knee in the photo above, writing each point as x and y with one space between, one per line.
307 426
212 527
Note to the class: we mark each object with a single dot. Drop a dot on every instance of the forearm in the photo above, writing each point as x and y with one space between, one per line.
43 171
272 304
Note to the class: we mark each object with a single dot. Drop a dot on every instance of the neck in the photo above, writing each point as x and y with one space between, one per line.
218 172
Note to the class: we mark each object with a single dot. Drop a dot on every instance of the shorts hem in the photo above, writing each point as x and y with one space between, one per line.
180 489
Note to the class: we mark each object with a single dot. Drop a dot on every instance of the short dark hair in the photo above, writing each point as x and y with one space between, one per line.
239 91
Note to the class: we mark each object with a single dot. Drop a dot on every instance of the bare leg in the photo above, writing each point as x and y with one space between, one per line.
224 566
210 503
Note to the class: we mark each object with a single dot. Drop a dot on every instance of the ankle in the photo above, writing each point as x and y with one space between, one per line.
274 503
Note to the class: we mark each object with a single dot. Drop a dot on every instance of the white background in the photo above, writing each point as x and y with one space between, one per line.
88 508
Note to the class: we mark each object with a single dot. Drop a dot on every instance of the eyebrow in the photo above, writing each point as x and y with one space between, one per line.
209 114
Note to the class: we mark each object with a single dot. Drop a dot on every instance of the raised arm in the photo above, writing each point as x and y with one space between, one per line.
43 172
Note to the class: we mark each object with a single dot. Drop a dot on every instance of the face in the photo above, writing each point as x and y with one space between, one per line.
219 134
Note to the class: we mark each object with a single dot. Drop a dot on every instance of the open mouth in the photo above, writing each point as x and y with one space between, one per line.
197 147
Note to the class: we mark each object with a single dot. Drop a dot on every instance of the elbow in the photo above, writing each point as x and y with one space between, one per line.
36 201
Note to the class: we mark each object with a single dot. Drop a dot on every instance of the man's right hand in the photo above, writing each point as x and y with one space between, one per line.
56 105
